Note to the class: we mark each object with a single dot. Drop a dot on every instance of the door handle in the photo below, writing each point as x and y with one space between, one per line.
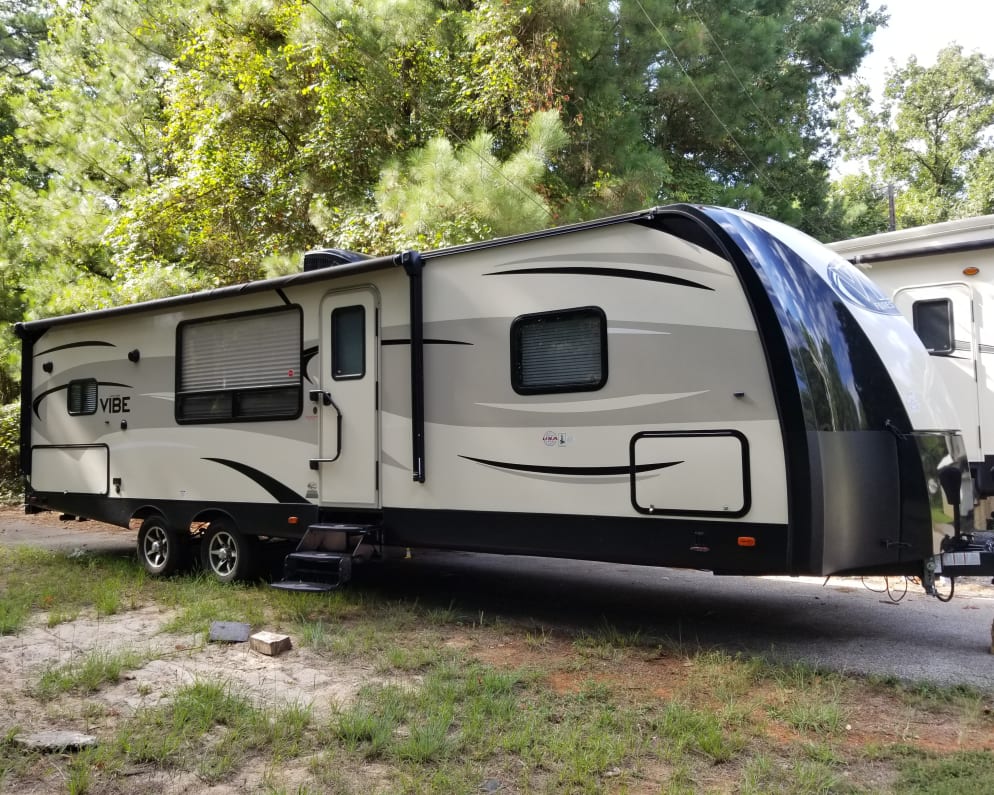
319 394
325 397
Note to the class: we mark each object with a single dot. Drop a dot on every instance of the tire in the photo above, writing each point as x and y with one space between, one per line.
226 554
161 550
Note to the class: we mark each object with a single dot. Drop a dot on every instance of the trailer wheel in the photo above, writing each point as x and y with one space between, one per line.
160 547
227 554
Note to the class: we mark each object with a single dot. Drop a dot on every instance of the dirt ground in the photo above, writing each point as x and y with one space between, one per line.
304 676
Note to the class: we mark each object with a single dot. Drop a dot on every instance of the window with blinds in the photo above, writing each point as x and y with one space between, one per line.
562 351
82 396
240 367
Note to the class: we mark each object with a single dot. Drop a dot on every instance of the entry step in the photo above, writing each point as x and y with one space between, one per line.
304 587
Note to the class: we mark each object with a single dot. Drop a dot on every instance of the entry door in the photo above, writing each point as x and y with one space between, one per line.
943 316
347 400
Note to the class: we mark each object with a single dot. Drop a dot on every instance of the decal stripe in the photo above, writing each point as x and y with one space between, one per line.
279 491
84 344
305 358
589 471
426 342
621 273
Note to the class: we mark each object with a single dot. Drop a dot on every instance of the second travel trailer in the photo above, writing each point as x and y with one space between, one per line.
941 278
682 386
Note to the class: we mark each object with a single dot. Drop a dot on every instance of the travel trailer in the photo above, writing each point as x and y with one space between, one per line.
941 277
684 386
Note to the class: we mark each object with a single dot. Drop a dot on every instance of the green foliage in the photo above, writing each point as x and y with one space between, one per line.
153 149
929 136
10 448
442 196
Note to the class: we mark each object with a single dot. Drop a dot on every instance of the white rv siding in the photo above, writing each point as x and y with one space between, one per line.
679 358
917 264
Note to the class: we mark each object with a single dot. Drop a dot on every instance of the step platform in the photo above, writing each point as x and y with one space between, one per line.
323 558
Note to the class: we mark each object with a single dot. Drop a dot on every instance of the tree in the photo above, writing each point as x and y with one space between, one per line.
930 136
185 143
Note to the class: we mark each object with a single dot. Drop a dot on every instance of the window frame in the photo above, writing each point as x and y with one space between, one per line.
522 321
234 393
85 382
950 327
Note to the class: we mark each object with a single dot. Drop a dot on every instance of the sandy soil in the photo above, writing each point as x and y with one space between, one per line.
303 676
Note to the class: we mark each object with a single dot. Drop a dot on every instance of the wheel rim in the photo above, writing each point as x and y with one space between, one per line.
156 547
223 553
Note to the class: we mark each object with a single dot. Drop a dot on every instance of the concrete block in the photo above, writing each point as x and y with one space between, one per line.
270 643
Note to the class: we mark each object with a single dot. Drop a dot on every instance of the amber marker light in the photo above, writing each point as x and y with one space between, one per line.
292 520
971 271
747 541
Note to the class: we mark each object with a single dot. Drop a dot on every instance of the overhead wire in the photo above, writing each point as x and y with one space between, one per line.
376 64
760 174
735 74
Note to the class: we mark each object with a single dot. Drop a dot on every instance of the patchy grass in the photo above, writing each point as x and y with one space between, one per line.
953 774
88 672
459 701
208 729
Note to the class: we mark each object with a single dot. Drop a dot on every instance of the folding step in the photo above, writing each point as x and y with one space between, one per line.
323 558
315 566
305 587
336 536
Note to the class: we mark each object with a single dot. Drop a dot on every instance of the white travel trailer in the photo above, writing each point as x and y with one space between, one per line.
941 277
683 386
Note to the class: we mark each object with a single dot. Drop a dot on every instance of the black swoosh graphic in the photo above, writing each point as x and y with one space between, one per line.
591 471
305 359
621 273
85 344
280 492
37 401
426 342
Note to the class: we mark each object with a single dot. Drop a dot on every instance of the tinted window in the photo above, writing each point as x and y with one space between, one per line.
348 342
563 351
933 320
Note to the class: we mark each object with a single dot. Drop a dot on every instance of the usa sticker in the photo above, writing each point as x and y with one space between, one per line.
556 439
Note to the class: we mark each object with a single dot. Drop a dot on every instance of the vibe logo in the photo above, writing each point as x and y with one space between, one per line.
115 404
854 286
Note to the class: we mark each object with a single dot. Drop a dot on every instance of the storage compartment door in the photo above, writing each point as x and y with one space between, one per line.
72 469
690 473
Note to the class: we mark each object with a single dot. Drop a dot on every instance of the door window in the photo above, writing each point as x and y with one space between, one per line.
348 342
933 321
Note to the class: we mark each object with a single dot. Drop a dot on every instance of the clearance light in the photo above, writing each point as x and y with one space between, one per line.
747 541
971 271
292 520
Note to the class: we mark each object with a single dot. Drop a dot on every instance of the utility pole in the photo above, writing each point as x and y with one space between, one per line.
890 206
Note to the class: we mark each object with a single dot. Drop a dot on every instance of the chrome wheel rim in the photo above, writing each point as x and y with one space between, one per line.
156 546
223 553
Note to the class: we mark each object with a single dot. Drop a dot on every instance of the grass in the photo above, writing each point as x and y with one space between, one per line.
88 673
573 712
210 729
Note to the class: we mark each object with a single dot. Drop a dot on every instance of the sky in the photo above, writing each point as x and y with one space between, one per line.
922 28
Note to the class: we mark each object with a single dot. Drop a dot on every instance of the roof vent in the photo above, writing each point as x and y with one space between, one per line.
330 258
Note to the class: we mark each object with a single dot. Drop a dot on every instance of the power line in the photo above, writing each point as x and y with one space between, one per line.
731 68
759 173
375 63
